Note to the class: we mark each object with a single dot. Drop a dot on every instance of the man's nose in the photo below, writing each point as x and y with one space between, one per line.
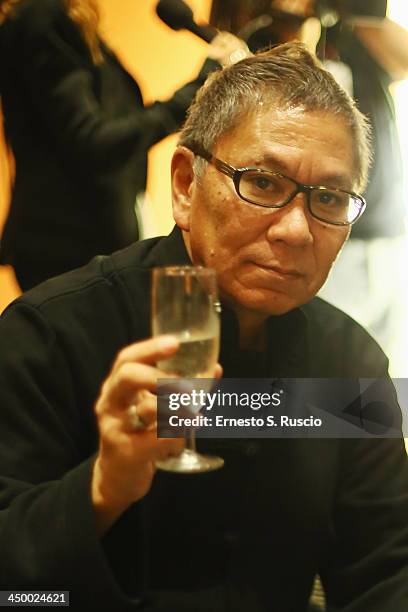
291 224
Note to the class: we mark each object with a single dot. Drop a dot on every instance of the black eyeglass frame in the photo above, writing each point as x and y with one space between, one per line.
236 173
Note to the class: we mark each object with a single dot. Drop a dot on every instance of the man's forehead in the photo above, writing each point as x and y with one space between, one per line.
284 138
289 124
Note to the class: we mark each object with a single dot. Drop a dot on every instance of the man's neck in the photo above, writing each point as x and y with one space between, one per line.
252 331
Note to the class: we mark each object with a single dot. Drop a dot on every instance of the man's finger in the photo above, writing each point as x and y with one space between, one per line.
148 351
122 386
218 372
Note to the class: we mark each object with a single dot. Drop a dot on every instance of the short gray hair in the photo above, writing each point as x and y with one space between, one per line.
287 76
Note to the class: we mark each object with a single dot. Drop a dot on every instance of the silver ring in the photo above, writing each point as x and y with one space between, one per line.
135 420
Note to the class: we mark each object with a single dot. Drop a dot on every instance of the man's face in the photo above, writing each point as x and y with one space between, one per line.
270 261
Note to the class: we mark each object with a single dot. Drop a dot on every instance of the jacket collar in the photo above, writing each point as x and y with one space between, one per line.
170 251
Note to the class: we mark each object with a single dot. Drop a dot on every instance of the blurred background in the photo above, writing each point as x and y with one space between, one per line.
161 61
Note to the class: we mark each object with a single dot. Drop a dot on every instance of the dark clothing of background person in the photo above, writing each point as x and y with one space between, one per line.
80 135
248 537
384 217
376 242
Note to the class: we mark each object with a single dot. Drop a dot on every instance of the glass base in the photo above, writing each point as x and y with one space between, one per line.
190 462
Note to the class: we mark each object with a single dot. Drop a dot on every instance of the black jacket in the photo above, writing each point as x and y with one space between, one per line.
248 537
80 135
385 214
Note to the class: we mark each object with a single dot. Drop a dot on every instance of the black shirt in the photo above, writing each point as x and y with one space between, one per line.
250 536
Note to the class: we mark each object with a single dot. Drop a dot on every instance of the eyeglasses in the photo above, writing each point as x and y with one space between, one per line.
275 190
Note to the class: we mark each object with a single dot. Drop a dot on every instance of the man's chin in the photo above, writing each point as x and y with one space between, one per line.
273 304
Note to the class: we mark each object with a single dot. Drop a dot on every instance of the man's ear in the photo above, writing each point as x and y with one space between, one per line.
182 186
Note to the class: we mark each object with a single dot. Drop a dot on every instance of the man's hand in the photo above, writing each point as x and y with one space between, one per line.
227 49
125 464
303 8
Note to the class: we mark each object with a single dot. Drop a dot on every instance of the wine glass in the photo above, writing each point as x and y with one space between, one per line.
185 304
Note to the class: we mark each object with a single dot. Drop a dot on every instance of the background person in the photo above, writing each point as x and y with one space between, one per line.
80 134
252 535
367 53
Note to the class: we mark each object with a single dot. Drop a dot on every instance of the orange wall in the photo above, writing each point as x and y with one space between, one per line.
8 286
161 60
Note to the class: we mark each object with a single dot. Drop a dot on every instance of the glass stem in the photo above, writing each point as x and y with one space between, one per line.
190 439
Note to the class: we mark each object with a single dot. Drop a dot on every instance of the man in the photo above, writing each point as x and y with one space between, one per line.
82 506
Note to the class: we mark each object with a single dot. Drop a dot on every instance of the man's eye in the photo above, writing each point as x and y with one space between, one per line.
263 183
329 198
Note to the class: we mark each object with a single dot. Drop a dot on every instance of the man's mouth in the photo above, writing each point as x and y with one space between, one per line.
287 273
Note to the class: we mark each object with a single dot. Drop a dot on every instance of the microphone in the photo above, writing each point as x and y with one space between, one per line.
179 16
